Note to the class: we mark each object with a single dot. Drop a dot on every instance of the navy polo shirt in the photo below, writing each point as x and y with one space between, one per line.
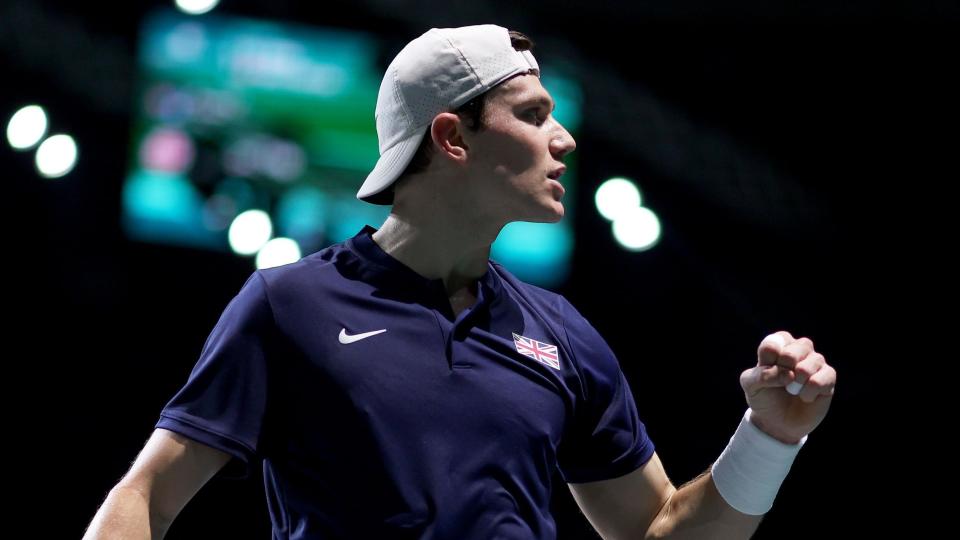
378 413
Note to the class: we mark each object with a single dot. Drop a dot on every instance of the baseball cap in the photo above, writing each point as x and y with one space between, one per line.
437 72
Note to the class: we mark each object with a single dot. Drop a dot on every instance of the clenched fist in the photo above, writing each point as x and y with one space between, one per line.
790 389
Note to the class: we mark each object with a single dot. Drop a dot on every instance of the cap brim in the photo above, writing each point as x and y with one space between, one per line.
389 167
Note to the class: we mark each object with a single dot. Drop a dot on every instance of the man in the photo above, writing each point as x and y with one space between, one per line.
401 385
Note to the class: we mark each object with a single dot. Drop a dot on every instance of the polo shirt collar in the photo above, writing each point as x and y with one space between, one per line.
387 272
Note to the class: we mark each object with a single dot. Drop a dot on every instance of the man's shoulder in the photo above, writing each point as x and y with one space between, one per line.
547 302
317 268
544 298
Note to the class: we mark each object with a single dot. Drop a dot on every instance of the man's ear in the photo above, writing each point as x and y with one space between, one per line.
447 134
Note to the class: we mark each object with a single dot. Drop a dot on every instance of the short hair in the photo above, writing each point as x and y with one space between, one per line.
472 111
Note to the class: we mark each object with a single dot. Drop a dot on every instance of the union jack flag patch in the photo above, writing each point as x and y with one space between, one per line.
544 353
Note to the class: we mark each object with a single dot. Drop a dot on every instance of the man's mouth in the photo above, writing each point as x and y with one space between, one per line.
556 173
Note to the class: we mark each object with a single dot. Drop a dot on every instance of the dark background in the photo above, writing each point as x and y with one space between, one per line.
800 157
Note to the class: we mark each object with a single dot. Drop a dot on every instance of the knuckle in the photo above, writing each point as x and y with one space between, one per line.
790 357
805 369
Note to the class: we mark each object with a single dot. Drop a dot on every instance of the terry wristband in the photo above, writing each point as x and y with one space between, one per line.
751 468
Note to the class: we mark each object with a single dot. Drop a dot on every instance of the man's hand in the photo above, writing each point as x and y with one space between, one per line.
785 365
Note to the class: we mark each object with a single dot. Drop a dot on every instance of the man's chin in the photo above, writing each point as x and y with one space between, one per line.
553 215
559 211
552 212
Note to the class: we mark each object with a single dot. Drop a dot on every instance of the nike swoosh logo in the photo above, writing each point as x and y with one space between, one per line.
345 339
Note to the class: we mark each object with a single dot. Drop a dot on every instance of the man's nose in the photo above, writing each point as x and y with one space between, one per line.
562 142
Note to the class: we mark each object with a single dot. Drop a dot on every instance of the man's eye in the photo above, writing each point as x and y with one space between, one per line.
534 114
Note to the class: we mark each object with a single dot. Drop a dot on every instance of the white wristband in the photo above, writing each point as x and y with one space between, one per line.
751 468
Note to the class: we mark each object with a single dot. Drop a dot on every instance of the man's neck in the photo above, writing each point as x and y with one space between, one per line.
437 249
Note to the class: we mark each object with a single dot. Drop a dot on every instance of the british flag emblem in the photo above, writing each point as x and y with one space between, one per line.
544 353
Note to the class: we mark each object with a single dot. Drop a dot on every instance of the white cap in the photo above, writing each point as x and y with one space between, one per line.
437 72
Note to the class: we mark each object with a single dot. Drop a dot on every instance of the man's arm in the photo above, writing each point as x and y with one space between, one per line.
644 504
788 393
169 471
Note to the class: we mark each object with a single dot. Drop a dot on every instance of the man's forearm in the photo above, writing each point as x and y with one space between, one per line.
125 514
696 511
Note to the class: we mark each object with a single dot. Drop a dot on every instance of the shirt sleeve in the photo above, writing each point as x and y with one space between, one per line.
224 401
606 439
